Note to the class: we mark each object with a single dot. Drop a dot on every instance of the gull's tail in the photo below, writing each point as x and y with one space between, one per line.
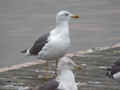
24 51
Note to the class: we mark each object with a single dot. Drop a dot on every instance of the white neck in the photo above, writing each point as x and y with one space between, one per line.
62 28
66 76
67 80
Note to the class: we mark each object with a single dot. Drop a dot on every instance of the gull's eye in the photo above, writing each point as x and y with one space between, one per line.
66 14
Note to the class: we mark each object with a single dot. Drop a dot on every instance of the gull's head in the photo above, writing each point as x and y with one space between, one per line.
66 63
65 16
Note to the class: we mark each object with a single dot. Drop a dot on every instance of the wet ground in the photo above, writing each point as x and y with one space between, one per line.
93 76
22 21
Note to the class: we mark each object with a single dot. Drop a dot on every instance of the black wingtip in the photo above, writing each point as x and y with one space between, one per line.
109 73
23 51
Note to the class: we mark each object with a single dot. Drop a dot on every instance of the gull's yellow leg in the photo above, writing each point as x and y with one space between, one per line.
47 75
56 67
47 70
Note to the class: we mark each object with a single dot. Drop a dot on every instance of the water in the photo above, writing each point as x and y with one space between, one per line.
22 21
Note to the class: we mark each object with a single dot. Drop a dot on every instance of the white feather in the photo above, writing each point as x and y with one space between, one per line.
116 75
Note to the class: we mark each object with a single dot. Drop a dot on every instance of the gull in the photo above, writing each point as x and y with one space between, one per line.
65 79
114 71
54 44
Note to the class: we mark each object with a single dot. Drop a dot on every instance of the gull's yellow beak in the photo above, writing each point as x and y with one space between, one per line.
78 67
75 16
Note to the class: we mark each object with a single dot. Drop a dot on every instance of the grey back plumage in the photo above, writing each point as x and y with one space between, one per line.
39 44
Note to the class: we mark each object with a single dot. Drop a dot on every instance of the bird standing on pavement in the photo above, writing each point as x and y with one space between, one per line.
65 79
53 45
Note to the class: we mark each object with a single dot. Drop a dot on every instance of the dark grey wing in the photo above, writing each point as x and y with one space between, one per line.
116 67
113 69
50 85
39 44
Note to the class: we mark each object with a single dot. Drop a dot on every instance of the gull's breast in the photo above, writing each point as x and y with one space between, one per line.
55 48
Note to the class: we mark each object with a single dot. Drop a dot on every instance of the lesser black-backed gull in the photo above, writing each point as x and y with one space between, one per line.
65 79
53 45
114 71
